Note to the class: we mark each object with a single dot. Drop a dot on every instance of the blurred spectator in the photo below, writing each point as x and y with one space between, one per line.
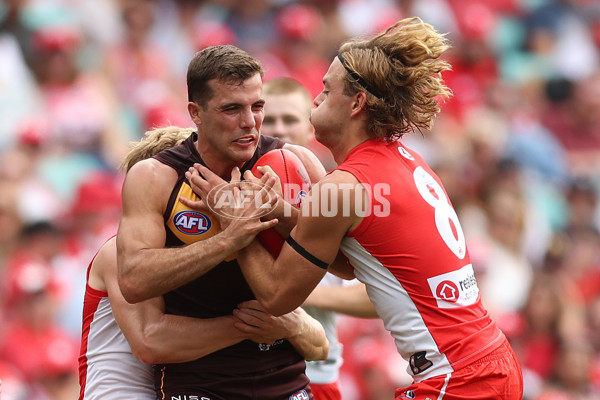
296 54
372 370
141 71
583 211
43 353
580 262
10 220
19 94
80 108
92 218
549 317
19 165
253 23
505 275
573 117
571 379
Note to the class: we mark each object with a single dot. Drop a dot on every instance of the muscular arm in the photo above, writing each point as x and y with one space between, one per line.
145 268
283 284
349 300
156 337
309 339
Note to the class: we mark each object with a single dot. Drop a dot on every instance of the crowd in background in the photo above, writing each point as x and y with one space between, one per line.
517 147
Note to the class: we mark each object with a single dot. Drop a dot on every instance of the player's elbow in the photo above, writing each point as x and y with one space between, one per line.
148 349
131 285
145 351
278 308
130 290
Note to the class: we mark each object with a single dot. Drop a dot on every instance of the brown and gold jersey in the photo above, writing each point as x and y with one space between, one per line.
219 291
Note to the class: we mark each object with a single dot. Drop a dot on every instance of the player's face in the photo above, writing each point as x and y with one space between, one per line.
229 125
333 108
287 118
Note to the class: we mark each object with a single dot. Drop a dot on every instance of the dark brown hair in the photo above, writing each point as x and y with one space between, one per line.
225 63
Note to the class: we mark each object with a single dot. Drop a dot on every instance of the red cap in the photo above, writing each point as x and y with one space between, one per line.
39 354
476 20
299 21
100 191
26 277
32 131
212 33
56 38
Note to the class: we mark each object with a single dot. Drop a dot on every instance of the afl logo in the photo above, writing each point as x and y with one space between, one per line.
191 222
448 291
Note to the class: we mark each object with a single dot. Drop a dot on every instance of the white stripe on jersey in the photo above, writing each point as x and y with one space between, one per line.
113 373
397 310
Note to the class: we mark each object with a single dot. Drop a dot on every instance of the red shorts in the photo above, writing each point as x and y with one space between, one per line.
496 376
325 391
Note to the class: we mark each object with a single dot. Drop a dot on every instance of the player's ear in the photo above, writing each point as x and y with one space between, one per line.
359 102
194 111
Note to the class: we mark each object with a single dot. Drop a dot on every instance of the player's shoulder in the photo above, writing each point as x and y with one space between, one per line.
339 177
103 260
151 170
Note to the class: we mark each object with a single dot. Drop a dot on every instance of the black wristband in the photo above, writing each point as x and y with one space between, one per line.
304 253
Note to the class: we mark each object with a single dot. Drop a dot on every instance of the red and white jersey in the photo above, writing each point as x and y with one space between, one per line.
107 367
410 252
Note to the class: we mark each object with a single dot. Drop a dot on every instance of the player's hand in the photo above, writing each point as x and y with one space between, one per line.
262 327
279 209
238 208
203 181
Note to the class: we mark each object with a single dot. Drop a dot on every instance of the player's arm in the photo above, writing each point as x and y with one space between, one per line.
283 284
146 268
304 332
309 337
349 300
156 337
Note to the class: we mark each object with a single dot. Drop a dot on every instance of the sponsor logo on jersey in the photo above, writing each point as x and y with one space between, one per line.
456 288
191 222
300 395
448 291
419 363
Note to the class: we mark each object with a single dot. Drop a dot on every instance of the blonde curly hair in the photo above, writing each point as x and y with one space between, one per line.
400 71
153 142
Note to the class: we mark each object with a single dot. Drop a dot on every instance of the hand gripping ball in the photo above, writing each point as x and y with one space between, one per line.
294 182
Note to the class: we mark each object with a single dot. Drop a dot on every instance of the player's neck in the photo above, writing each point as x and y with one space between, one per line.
342 148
